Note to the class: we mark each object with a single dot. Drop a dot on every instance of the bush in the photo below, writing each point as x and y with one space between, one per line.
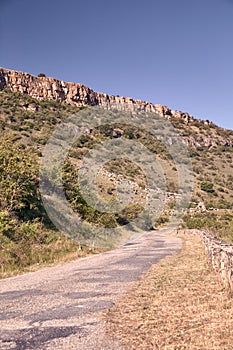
220 225
7 225
18 179
207 186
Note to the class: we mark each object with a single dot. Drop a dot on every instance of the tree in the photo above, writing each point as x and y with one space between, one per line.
18 178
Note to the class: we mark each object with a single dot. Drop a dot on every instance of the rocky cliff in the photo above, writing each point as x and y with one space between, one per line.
44 88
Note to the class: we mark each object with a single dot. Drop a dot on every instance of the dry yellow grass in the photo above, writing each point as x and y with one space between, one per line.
179 304
58 252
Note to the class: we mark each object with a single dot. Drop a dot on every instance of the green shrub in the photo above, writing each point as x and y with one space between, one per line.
207 186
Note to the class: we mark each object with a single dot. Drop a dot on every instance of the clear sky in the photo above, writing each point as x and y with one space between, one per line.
175 52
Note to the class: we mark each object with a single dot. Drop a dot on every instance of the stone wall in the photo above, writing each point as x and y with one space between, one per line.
220 254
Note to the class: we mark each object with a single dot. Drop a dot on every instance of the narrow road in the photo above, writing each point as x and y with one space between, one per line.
60 307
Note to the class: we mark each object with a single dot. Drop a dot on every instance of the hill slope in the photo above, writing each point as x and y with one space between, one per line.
31 107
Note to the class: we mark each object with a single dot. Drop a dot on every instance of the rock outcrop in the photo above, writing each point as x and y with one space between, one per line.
43 88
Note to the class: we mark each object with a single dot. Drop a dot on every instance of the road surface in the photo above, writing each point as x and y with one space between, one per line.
60 307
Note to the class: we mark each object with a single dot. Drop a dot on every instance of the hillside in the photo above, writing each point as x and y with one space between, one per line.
198 133
31 107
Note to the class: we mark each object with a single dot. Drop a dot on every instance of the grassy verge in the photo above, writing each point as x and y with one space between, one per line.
23 257
179 304
219 223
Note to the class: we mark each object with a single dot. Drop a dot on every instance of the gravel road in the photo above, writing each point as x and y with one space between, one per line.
60 307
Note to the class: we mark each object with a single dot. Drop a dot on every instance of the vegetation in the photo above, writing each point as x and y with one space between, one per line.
27 237
220 223
41 75
26 233
27 245
207 186
179 304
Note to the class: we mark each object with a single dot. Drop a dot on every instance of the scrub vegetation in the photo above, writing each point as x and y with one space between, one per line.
27 236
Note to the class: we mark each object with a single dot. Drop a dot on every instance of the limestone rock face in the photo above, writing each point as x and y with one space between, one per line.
43 88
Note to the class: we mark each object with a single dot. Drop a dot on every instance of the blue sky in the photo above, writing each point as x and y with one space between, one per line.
175 52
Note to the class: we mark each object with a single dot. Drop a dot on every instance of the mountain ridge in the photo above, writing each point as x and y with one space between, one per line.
79 94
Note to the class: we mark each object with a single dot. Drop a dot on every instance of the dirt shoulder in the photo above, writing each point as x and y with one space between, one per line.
179 304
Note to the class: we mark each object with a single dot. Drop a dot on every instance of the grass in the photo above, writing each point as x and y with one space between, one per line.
25 126
179 304
55 253
27 255
219 223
